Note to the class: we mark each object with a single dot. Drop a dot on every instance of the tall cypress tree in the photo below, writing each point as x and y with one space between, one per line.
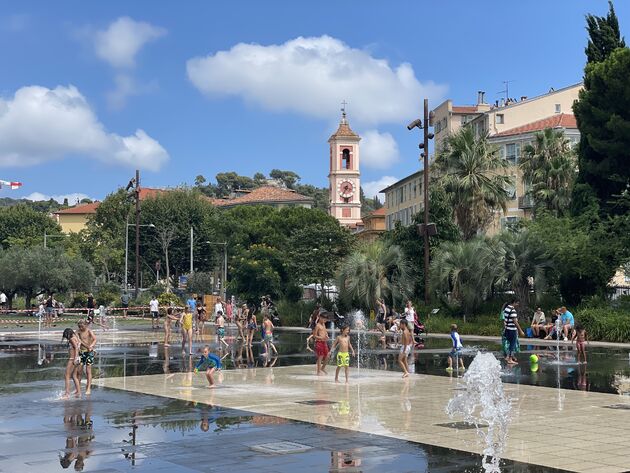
603 117
604 35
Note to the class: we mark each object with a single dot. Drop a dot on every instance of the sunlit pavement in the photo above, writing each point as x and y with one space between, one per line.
571 430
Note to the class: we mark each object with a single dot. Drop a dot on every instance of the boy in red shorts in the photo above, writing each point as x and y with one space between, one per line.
320 334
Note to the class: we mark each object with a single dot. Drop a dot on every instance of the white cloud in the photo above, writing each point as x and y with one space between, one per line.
373 188
311 76
378 150
40 124
73 198
121 41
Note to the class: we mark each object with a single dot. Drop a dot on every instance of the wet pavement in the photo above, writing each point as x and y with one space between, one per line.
116 430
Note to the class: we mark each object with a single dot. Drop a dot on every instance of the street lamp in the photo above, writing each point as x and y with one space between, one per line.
46 236
150 225
426 229
224 280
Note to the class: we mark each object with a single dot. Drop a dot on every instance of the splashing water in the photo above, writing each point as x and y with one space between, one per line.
357 323
484 403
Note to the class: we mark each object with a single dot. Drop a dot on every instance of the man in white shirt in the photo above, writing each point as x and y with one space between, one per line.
3 300
154 306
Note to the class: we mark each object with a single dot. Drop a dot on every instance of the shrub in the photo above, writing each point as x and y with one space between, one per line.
168 298
107 294
79 299
294 314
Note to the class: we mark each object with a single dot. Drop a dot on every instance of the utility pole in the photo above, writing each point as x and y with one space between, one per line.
137 233
426 200
426 229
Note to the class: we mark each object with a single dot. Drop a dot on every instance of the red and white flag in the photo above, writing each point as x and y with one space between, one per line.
11 184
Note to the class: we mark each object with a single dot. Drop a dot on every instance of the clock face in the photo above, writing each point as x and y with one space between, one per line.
346 189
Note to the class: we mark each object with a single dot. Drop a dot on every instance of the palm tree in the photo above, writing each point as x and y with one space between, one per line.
375 271
550 166
525 266
464 272
473 173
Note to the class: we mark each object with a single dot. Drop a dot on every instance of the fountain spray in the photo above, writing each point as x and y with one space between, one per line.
484 404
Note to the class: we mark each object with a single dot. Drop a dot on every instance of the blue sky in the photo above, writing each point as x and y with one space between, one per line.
251 86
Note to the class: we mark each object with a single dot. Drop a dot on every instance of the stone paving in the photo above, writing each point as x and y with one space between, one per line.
556 428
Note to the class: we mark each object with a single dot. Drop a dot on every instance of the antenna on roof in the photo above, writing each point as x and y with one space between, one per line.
506 90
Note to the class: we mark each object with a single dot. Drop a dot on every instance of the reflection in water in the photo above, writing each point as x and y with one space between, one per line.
77 422
347 461
130 452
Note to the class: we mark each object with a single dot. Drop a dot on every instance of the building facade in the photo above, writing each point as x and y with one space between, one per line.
344 175
403 200
511 125
373 226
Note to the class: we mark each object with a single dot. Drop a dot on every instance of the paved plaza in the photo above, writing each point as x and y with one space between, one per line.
557 428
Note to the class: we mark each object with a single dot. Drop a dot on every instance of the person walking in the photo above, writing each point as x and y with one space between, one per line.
511 328
410 315
154 306
3 300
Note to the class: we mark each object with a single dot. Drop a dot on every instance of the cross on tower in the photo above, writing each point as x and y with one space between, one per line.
343 111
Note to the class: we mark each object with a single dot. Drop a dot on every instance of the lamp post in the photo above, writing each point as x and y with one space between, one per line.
426 229
224 280
150 225
46 236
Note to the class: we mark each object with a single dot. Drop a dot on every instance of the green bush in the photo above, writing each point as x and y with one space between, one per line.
168 298
604 323
107 294
294 314
79 299
489 325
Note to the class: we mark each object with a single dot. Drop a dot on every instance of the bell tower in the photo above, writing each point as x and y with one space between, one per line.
344 175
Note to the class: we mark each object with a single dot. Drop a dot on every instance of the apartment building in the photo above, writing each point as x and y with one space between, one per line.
403 200
511 125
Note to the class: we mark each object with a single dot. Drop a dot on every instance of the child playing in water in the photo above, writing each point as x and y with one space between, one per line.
220 322
405 348
73 362
456 351
86 352
268 334
210 363
320 334
343 357
580 338
186 321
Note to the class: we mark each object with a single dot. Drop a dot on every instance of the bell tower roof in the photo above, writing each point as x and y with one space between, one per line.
344 130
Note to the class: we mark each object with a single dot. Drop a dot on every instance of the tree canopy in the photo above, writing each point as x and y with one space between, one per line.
604 35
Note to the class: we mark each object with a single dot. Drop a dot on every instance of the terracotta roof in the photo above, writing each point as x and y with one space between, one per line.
376 213
344 130
559 120
149 192
465 109
263 195
80 209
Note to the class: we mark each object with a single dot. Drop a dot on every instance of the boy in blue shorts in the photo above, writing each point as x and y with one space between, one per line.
210 363
457 349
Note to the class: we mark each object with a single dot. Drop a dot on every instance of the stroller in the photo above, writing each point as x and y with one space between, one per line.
418 330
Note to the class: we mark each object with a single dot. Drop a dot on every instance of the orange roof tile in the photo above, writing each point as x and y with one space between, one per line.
376 213
344 130
560 120
263 195
80 209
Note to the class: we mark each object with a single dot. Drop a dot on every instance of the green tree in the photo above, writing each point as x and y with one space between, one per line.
288 178
412 244
525 267
549 164
201 282
603 117
604 35
20 225
228 182
260 270
315 251
375 271
472 171
462 273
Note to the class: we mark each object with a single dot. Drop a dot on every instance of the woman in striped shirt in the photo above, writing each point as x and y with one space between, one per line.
511 326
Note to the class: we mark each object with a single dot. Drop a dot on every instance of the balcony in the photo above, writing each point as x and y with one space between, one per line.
525 202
